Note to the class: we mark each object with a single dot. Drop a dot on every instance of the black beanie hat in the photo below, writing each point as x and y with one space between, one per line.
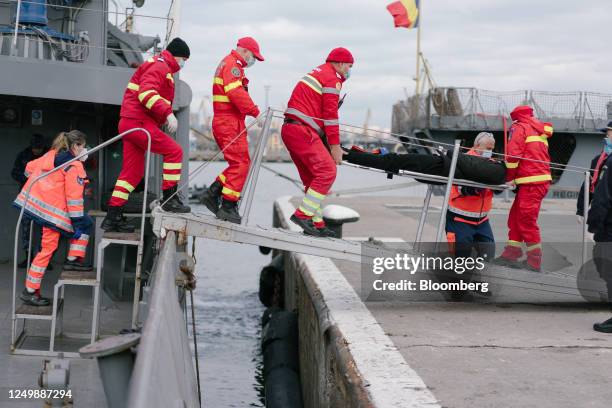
178 48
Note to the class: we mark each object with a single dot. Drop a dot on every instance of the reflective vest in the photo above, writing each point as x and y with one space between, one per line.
314 101
57 198
471 209
529 141
230 89
150 92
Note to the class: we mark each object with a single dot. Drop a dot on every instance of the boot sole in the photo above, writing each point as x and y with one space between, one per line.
229 219
73 269
177 212
599 328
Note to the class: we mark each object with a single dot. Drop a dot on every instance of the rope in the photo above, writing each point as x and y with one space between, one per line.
193 324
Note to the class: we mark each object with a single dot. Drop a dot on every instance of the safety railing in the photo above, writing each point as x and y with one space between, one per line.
170 26
137 278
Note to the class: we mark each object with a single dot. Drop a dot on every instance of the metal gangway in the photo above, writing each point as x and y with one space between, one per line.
54 312
207 226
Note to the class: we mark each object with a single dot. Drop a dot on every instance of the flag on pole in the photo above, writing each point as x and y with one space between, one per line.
405 13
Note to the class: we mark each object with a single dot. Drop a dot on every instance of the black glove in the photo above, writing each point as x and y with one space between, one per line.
469 191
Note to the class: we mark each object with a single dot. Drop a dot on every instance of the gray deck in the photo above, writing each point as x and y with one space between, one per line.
491 355
21 372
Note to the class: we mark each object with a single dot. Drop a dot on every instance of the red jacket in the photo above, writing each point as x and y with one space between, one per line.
471 209
528 140
230 89
150 92
57 198
316 96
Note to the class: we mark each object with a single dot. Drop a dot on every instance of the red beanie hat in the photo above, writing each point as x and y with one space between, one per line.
521 111
340 55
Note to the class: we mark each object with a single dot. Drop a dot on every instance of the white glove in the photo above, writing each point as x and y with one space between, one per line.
172 123
590 237
580 219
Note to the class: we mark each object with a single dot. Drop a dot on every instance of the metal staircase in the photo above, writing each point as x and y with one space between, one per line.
54 312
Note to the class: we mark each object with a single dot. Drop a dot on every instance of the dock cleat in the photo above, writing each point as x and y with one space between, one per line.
115 221
229 212
605 327
77 266
34 299
306 224
173 203
211 198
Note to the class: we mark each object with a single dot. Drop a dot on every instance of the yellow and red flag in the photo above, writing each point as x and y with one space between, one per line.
405 13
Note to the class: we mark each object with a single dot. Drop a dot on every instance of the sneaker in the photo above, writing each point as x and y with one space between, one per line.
211 198
306 224
605 327
229 212
115 221
173 202
76 266
34 299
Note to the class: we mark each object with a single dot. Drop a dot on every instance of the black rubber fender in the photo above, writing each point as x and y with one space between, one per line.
283 389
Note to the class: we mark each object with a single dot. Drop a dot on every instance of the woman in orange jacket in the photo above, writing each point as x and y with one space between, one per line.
56 203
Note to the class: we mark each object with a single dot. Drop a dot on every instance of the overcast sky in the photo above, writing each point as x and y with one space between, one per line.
556 45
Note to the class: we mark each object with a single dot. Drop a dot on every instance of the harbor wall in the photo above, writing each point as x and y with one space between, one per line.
346 360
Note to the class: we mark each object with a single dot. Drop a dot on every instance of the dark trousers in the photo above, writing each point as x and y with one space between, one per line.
468 236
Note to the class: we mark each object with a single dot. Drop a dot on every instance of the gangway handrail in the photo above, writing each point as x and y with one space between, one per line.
142 221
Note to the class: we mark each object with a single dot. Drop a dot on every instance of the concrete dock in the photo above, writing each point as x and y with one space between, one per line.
473 354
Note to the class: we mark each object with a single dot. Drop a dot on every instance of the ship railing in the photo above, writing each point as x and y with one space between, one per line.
466 107
137 275
169 22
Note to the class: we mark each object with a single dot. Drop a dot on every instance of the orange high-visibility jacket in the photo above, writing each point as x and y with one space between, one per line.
529 140
316 96
150 92
475 207
231 89
57 198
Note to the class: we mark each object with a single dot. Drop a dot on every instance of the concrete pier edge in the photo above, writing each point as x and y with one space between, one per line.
386 377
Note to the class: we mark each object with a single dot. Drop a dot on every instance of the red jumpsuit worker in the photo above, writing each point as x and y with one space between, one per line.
56 203
528 167
147 103
231 104
311 134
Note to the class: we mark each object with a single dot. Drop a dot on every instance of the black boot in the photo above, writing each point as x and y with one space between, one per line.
115 221
76 266
23 264
306 224
34 299
229 212
173 202
605 327
326 232
212 197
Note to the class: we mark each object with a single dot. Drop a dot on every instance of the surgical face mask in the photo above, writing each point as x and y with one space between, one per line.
348 73
251 61
181 63
607 145
487 154
81 151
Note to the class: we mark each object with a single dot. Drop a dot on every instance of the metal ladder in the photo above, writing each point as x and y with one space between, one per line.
54 312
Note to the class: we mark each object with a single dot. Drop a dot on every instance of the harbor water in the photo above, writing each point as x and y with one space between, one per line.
228 311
